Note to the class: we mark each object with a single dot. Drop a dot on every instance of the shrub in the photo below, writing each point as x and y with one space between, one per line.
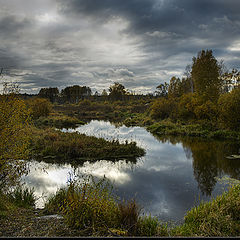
207 110
229 109
3 202
14 142
187 105
39 107
162 108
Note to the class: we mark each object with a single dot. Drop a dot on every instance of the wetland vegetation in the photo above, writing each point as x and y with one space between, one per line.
205 104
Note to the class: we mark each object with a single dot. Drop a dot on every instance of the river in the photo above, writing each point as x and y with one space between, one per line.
173 176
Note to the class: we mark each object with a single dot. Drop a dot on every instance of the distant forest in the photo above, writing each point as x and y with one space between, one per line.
206 77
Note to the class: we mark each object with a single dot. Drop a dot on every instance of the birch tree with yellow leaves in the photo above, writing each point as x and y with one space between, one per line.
14 139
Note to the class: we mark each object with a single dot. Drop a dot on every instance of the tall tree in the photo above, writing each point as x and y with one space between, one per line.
174 89
117 91
206 75
50 93
74 93
162 89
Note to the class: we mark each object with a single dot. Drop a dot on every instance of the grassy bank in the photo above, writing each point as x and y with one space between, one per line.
58 120
219 217
56 146
132 114
19 218
92 208
201 129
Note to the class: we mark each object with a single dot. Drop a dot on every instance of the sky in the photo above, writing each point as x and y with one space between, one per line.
94 43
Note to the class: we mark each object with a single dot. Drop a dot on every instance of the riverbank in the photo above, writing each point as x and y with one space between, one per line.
133 115
22 222
203 130
72 218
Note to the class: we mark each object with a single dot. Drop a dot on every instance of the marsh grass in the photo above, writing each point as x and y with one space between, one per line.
129 212
69 147
59 121
87 205
219 218
91 206
150 226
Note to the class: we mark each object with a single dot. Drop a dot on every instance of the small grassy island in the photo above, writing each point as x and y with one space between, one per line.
57 146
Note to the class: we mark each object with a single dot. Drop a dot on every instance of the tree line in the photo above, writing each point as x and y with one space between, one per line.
206 77
208 92
73 94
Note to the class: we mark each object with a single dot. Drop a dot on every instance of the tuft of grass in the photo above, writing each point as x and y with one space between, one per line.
55 202
149 226
23 197
129 212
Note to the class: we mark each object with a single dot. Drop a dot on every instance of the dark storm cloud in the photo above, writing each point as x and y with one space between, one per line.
168 22
10 25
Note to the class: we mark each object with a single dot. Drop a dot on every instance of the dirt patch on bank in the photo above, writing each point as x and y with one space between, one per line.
32 223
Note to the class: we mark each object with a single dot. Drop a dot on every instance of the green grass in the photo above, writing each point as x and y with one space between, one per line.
22 197
202 129
218 218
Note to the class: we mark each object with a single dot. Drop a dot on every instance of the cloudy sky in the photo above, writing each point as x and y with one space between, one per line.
139 43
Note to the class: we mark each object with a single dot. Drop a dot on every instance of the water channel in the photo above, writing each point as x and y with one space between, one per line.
173 176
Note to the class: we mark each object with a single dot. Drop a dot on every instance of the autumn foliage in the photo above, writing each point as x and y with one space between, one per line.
14 119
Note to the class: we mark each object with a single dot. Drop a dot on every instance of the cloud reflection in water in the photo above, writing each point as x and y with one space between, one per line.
167 181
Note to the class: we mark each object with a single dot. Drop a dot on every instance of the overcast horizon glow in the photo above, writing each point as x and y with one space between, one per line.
139 43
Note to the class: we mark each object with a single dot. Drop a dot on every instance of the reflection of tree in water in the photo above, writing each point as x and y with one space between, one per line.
209 159
230 166
188 152
205 167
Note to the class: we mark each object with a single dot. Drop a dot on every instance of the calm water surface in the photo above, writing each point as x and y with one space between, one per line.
169 180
